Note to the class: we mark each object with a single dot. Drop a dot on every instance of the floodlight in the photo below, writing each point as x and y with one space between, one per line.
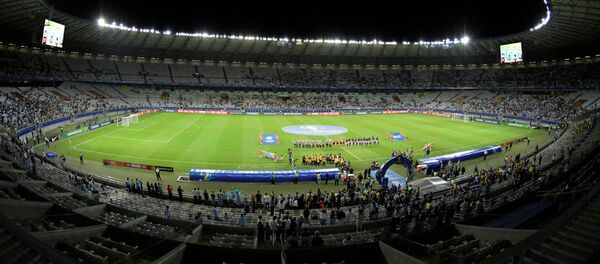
465 40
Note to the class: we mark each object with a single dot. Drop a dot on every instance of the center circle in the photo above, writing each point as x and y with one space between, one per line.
315 130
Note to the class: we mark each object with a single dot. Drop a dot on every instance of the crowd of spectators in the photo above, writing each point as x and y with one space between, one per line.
360 201
25 106
573 75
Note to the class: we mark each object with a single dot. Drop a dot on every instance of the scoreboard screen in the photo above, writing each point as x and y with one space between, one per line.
510 53
53 34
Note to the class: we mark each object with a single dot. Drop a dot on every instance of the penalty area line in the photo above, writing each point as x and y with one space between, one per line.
94 138
183 129
359 159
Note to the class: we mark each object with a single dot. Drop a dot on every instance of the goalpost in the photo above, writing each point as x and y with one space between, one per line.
461 117
131 119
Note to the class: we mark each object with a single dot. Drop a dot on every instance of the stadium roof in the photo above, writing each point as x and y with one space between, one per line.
573 30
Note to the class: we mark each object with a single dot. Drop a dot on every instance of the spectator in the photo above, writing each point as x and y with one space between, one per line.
317 240
360 219
180 193
170 191
215 213
242 220
167 212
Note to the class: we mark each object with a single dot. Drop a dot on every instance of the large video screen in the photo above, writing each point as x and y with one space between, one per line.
53 34
510 53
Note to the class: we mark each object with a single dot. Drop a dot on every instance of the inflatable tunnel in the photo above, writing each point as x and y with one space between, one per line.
394 160
437 162
260 176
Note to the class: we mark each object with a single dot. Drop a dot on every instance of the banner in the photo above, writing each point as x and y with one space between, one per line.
269 155
54 138
71 133
516 124
495 122
433 113
136 165
323 113
395 136
395 112
269 139
519 140
96 126
208 112
148 112
163 168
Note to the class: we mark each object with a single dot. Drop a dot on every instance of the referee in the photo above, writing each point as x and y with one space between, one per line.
157 170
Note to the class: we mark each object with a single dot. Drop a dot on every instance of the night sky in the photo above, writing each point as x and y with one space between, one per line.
421 20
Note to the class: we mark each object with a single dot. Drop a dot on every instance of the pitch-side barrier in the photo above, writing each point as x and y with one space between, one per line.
436 162
261 176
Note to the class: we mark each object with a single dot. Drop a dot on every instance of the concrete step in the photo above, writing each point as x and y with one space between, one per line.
540 257
586 220
562 253
588 229
576 233
571 247
595 208
527 259
574 243
589 214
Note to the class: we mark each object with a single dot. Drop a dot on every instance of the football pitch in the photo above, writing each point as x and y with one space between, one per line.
231 142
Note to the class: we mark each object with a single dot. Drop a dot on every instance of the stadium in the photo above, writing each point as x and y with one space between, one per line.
158 144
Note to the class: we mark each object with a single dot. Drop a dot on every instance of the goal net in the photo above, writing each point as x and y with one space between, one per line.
128 120
461 117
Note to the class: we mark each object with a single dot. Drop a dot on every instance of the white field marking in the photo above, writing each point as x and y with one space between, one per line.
352 154
183 129
137 139
87 132
327 137
181 161
94 138
85 142
466 146
144 127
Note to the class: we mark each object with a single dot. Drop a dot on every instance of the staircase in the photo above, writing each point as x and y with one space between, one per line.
577 104
575 242
97 94
61 95
20 96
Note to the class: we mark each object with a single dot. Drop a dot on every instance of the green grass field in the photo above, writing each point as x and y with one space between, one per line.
186 141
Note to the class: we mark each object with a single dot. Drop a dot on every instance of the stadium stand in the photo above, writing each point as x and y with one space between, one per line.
131 211
579 134
540 206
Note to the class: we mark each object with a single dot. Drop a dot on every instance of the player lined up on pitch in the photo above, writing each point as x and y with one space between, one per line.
323 159
339 142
